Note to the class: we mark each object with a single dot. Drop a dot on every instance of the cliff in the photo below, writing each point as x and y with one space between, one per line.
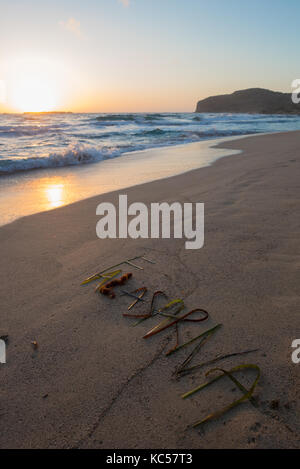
253 100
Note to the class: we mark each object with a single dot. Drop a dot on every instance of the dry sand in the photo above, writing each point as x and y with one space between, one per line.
94 382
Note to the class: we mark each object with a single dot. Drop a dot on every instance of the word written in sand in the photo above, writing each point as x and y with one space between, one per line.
182 220
296 353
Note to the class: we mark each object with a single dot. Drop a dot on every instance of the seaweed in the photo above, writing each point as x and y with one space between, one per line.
108 288
142 291
187 371
142 317
164 325
247 394
204 337
170 313
126 261
106 278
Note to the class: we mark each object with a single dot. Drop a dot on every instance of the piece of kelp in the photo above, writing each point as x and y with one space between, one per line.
107 278
175 320
152 312
247 394
139 297
169 318
194 339
203 338
144 316
133 294
126 261
196 350
108 289
187 371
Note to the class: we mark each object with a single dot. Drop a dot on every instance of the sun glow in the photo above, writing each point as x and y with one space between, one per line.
55 195
31 95
33 87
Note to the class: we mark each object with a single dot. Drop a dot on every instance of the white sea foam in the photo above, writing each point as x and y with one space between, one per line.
74 155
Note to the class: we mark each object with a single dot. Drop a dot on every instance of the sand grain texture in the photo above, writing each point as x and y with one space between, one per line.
93 382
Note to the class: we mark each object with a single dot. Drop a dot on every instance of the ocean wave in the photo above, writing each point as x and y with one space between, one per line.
173 135
53 141
116 117
152 133
154 117
221 133
80 154
26 131
99 136
74 155
138 118
160 116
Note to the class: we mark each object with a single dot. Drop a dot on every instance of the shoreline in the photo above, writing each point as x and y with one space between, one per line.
57 187
93 375
42 190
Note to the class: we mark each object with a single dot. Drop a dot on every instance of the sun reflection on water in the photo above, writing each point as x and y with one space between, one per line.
55 195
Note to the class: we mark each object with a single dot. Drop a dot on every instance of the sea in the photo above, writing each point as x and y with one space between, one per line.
52 140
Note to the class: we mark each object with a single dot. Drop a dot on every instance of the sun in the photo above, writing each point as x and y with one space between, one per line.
33 88
32 95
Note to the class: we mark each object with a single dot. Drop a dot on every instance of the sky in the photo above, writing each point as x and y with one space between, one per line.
142 55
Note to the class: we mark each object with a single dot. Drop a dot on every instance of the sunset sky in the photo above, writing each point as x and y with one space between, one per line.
142 55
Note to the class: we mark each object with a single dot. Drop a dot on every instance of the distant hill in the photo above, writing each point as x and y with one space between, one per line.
252 101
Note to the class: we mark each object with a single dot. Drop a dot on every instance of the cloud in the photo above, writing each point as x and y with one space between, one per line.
125 2
73 26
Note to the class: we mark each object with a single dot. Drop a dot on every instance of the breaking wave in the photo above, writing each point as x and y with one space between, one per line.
59 139
74 155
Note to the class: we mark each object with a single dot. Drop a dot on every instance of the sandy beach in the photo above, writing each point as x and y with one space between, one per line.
93 382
